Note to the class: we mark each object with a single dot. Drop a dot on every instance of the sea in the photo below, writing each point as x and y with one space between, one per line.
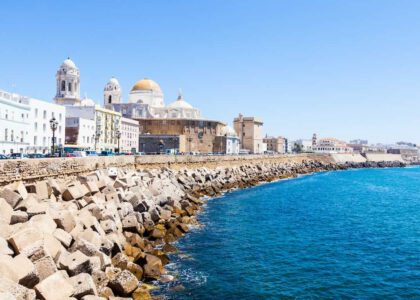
351 234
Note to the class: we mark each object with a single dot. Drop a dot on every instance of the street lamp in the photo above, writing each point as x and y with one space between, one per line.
118 135
53 125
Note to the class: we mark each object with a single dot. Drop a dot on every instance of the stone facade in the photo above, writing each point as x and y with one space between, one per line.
200 135
249 130
161 144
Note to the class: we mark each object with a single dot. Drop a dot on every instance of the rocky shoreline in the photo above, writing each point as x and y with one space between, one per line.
107 234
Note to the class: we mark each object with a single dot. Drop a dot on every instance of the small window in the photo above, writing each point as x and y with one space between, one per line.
69 86
63 86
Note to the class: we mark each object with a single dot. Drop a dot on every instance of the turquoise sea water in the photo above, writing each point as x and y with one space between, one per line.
332 235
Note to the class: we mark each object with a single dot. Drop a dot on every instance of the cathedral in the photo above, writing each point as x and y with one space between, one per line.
145 101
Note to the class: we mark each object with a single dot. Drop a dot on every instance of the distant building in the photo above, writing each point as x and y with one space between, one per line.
331 145
129 140
68 84
304 145
249 130
162 143
228 141
15 124
407 153
276 144
359 142
25 124
359 148
107 124
194 135
80 133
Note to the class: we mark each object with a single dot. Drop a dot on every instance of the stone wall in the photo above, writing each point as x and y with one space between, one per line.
33 169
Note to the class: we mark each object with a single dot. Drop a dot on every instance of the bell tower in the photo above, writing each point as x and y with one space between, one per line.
112 93
68 84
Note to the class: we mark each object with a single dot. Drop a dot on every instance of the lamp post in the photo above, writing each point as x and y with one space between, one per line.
53 125
118 135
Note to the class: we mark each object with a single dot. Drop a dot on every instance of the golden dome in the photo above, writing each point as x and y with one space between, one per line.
146 84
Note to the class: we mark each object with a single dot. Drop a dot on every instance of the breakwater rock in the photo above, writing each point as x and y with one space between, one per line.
106 234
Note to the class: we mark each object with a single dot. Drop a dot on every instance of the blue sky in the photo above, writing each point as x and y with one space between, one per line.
349 69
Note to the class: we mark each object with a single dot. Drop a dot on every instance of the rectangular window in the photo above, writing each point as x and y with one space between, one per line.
35 140
45 114
36 112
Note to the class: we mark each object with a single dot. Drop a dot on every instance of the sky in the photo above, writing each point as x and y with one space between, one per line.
345 69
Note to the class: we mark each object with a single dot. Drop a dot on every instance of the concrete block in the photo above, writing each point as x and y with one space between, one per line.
44 223
7 268
63 237
65 220
45 267
92 297
100 279
153 267
18 291
73 192
108 226
26 271
124 283
112 197
55 287
76 263
11 197
18 216
83 285
6 211
4 247
24 238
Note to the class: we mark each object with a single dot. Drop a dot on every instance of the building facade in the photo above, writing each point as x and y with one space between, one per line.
162 144
228 142
41 135
14 123
275 144
25 124
249 130
80 133
200 135
129 139
107 124
331 145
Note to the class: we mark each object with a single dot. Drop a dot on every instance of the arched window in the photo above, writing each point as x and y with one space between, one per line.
69 86
63 86
109 99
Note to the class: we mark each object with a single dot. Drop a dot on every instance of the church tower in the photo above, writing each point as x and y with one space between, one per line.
314 140
68 84
112 93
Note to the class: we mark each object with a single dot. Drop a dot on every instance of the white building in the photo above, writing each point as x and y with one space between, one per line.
25 124
80 133
14 123
129 140
232 140
41 134
331 145
107 124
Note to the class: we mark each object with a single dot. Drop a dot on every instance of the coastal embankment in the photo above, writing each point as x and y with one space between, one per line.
102 227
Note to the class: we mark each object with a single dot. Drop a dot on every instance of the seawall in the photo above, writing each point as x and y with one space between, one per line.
37 169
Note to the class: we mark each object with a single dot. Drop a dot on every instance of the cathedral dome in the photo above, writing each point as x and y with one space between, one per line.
87 102
180 103
146 84
228 131
68 63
